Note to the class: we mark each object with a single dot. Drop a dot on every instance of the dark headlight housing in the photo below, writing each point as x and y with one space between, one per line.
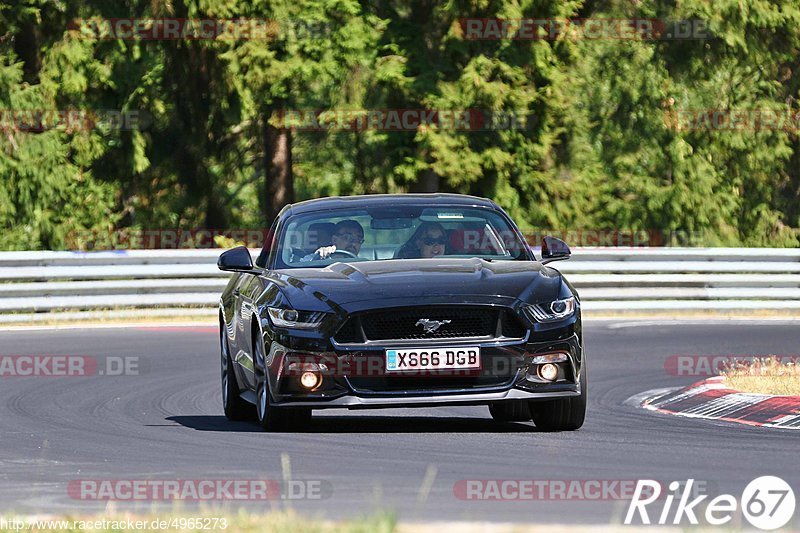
552 311
292 318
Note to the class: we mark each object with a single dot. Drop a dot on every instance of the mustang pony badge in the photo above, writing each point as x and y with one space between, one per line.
431 325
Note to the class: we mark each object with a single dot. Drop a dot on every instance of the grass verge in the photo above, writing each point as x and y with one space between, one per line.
768 375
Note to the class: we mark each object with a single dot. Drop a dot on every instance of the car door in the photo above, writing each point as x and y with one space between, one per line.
245 309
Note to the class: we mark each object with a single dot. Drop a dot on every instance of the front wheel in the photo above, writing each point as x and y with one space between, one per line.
566 414
232 403
273 418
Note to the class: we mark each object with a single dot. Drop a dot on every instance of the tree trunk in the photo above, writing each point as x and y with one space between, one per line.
215 213
278 164
428 181
26 46
790 192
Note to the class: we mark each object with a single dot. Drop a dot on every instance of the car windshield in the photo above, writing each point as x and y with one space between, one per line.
391 233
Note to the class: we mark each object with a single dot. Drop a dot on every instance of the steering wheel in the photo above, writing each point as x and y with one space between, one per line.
344 253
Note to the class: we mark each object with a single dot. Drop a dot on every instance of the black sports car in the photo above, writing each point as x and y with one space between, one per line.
400 301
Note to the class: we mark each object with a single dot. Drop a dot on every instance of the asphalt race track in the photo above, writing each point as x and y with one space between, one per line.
166 423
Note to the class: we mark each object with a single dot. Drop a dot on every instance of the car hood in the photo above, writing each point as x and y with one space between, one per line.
372 283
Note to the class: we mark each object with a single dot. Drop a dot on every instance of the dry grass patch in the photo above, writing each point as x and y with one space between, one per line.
769 375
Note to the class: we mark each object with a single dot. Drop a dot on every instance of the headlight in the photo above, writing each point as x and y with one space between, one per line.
553 311
290 318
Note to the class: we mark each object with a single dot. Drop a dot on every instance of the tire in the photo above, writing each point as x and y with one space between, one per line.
234 406
273 418
514 411
567 414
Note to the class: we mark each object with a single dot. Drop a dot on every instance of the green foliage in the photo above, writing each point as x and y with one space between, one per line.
600 147
45 191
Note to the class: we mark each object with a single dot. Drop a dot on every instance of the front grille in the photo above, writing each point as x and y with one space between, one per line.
409 324
513 327
349 333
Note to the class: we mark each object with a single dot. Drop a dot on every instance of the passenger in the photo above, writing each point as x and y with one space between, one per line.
428 241
348 236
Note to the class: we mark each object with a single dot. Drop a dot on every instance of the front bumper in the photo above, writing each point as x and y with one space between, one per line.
518 382
458 398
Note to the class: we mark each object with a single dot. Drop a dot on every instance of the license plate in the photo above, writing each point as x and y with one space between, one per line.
432 358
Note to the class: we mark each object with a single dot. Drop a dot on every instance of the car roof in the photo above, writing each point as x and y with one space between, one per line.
376 200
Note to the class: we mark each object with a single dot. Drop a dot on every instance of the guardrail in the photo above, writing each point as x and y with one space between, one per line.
608 279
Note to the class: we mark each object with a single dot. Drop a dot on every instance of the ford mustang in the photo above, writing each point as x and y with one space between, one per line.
412 300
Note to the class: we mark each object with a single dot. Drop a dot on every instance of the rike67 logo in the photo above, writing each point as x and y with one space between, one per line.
767 503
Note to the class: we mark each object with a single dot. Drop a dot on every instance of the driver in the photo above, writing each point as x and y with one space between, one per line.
348 235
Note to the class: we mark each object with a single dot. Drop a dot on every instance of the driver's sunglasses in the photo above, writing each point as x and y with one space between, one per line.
350 237
430 241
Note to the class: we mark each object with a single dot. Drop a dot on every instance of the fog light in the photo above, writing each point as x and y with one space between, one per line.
310 380
548 372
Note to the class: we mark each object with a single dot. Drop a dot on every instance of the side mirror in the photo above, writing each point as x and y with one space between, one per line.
236 260
554 249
